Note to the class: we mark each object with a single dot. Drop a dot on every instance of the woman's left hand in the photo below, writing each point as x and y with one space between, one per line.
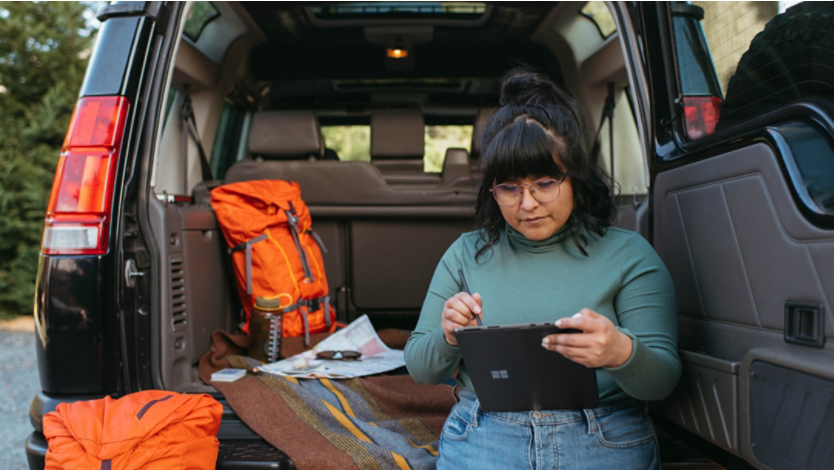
600 345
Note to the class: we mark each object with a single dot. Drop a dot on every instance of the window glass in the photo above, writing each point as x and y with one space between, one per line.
739 60
813 154
729 28
599 14
694 61
169 103
202 13
628 155
351 143
226 140
400 10
437 139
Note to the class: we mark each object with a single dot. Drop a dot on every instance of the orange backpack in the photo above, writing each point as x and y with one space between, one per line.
153 430
275 252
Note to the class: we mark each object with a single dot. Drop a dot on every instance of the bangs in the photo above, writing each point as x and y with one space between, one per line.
521 149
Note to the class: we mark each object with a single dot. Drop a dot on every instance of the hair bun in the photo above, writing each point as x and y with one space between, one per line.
524 87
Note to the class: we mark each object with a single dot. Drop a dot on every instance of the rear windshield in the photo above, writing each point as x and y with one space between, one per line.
353 143
739 60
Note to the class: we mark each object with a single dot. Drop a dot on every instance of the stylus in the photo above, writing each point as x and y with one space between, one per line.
466 289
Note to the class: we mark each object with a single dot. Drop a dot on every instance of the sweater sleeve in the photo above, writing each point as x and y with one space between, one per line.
647 312
428 357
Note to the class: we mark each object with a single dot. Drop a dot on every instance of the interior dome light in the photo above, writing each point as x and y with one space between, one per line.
397 53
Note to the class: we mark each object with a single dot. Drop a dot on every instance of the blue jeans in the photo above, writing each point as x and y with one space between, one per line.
616 437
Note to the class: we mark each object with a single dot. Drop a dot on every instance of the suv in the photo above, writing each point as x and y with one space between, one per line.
716 120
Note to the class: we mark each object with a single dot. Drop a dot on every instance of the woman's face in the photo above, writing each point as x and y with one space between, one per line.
538 220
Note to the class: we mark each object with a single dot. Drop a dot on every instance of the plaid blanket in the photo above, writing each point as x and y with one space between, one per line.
382 422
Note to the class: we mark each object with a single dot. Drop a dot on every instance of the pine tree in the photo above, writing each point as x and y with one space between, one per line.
44 48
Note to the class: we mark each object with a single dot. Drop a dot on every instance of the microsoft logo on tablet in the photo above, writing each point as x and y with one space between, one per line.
500 374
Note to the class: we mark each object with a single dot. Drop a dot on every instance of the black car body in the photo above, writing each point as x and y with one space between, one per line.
734 187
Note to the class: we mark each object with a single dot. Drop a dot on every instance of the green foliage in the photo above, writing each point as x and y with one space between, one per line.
440 138
353 143
43 55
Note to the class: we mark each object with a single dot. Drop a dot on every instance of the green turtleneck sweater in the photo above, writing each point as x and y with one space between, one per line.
524 281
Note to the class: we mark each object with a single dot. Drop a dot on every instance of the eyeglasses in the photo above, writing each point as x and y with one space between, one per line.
339 355
545 190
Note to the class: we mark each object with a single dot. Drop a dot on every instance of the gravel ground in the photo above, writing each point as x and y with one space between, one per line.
19 383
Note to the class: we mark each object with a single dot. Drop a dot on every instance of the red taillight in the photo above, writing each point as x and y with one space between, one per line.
78 215
701 115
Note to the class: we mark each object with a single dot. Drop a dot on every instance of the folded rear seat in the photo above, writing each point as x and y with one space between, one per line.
331 183
288 145
393 235
397 147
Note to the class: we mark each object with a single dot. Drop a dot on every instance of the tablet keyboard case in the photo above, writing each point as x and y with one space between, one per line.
512 372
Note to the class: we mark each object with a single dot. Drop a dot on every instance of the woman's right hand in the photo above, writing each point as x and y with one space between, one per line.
460 311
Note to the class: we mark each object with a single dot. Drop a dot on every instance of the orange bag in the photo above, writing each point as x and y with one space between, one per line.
151 430
275 252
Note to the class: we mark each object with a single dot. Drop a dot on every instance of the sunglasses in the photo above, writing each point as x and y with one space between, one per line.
339 355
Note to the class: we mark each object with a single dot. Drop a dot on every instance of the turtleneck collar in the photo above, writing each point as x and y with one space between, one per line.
517 240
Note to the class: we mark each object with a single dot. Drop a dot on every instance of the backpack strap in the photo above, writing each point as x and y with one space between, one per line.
304 313
247 245
292 218
305 306
326 307
318 240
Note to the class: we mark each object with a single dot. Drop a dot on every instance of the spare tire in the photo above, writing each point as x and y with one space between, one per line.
790 60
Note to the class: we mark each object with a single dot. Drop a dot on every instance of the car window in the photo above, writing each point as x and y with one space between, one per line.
739 60
353 143
628 156
201 14
439 138
813 157
169 103
227 140
399 10
599 14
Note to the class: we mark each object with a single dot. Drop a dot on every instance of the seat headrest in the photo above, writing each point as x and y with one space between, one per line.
397 133
481 121
456 156
456 164
290 135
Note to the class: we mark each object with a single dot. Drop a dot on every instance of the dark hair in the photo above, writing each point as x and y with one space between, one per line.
537 123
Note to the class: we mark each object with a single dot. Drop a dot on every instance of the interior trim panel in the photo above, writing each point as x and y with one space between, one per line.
738 249
735 243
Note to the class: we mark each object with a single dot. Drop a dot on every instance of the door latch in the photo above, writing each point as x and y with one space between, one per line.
131 273
804 324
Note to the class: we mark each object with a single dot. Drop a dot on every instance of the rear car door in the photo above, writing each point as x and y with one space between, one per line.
742 214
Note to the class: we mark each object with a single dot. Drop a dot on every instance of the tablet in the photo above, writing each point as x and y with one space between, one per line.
511 371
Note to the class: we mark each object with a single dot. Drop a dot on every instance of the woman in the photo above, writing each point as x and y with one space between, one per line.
544 250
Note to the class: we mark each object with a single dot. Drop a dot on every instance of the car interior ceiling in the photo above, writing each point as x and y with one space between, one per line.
290 71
